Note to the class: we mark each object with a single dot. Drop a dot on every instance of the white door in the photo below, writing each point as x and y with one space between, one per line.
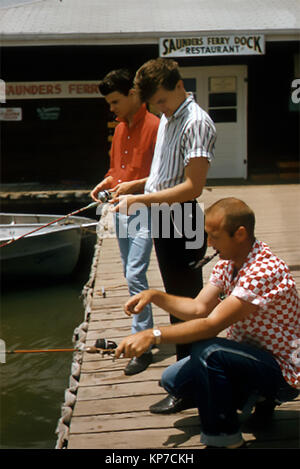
222 92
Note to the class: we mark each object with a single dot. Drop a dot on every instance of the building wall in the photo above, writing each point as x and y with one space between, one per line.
273 128
75 146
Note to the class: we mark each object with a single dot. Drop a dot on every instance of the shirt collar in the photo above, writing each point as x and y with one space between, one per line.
182 107
256 246
251 255
140 114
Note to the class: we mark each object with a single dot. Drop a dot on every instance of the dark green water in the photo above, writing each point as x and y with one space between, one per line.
32 385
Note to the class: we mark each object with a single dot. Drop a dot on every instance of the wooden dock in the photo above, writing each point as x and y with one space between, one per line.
111 409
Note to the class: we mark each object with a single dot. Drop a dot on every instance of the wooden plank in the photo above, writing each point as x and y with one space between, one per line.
137 439
115 405
130 421
100 365
120 405
111 390
117 376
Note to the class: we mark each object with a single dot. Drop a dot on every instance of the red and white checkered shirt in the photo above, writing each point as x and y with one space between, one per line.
265 280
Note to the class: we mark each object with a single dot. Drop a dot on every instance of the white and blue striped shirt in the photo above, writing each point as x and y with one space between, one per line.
188 133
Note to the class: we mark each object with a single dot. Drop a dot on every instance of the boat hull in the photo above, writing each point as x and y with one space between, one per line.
49 252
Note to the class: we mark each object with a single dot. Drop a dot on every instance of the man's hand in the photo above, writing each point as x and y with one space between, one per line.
127 187
105 184
124 203
138 302
135 345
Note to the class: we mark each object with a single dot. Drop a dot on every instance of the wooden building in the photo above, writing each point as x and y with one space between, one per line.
240 59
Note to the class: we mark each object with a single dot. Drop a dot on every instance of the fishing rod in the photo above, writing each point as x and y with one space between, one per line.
42 350
102 346
13 240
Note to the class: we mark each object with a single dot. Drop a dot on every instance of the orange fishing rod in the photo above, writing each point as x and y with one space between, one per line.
42 350
101 346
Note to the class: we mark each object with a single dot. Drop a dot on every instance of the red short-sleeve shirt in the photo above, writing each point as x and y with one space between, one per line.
133 147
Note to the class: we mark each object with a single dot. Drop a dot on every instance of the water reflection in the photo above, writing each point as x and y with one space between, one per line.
32 385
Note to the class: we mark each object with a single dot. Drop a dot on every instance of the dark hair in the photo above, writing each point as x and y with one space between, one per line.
154 74
120 80
236 213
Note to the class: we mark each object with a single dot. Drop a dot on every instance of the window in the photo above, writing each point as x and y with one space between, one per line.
222 99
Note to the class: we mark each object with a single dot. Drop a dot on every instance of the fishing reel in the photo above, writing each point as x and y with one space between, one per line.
103 346
104 196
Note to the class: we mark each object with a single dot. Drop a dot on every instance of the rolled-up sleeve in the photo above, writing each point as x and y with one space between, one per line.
199 141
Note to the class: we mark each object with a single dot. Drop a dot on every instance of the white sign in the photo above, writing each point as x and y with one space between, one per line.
10 114
52 89
212 45
2 92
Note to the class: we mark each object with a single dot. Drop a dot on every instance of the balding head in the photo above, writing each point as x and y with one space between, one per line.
234 213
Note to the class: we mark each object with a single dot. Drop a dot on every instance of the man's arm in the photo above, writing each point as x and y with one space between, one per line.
181 307
226 313
189 189
129 187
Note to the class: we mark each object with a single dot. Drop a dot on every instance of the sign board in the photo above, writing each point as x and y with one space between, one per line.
222 84
11 114
48 113
212 45
52 90
2 91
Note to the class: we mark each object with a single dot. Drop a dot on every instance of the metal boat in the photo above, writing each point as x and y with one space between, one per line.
51 251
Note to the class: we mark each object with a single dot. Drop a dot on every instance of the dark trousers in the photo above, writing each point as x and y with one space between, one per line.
176 262
221 376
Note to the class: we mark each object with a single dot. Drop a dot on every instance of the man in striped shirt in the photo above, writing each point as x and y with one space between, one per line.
183 153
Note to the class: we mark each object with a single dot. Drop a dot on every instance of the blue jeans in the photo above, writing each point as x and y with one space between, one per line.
219 377
135 249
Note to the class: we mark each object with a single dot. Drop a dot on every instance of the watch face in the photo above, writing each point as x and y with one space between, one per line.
157 335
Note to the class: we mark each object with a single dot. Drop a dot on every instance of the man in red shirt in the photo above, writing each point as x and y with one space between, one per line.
130 161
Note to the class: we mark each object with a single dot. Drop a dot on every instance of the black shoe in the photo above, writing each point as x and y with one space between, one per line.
169 405
262 416
265 409
138 364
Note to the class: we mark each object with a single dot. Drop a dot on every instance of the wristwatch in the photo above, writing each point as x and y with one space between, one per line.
157 335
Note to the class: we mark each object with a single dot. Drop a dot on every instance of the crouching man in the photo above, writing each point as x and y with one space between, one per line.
260 308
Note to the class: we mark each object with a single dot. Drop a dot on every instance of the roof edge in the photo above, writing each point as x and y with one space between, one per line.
27 39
